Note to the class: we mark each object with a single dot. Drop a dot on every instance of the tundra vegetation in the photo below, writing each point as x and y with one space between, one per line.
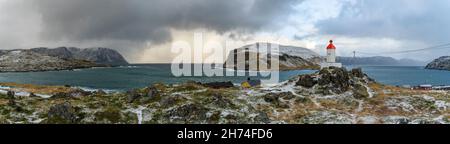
329 96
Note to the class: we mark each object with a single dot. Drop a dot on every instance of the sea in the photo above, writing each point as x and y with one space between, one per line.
141 75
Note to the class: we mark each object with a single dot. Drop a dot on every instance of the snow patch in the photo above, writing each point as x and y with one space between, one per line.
138 112
368 120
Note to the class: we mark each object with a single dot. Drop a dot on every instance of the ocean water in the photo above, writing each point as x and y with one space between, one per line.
137 76
406 75
123 78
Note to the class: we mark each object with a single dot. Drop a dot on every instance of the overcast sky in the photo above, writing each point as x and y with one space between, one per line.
144 29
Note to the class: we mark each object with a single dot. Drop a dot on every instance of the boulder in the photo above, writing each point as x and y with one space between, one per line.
286 95
360 91
306 81
221 101
171 100
33 95
79 93
10 94
271 98
11 98
334 79
357 73
189 113
100 92
62 113
274 98
72 94
168 100
262 117
219 85
133 95
152 92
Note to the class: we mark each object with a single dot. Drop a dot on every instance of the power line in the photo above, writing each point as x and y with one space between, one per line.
443 46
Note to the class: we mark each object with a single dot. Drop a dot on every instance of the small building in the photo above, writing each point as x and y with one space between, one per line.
425 87
331 57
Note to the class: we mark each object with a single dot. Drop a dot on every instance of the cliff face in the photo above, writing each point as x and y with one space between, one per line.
103 56
24 61
290 58
442 63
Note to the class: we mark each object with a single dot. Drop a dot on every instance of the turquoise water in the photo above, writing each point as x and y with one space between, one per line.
123 78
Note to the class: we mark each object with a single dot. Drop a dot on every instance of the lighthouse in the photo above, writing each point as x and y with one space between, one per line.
331 57
331 53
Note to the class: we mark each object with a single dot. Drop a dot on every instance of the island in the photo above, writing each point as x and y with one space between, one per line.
442 63
289 57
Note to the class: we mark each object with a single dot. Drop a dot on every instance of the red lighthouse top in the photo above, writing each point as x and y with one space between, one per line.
331 46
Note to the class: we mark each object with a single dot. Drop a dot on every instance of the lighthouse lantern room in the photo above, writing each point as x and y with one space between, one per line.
331 57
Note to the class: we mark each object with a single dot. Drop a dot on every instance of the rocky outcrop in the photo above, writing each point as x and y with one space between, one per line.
442 63
335 80
290 58
144 95
62 114
219 85
103 56
73 93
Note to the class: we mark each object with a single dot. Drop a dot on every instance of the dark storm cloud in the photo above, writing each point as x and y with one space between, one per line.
151 20
418 20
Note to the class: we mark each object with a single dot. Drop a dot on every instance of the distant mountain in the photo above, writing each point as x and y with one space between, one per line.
291 58
378 60
103 56
26 61
62 58
442 63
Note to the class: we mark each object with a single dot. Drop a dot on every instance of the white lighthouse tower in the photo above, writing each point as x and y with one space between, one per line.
331 57
331 53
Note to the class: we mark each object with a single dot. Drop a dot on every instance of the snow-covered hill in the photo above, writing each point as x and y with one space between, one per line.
442 63
290 57
25 61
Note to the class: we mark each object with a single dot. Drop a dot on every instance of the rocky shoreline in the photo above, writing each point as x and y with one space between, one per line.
330 96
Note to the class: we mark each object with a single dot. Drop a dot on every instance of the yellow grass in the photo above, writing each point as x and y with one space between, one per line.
41 89
3 102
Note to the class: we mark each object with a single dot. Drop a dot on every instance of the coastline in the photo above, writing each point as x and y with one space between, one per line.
288 102
63 69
